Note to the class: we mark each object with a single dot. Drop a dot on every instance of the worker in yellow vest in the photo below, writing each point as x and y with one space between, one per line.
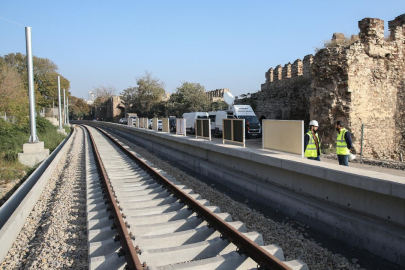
312 146
344 145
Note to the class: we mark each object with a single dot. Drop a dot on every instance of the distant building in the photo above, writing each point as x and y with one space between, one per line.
166 96
90 97
217 94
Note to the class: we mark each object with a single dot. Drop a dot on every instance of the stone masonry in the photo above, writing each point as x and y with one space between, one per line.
358 80
113 109
217 94
286 92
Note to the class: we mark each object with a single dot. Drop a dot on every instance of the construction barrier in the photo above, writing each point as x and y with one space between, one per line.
141 122
181 126
155 125
233 130
130 122
146 123
203 128
283 135
165 125
136 122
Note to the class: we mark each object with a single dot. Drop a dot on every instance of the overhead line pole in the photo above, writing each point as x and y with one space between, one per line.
33 128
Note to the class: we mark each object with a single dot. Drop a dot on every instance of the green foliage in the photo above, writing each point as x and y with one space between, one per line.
78 108
246 99
13 96
11 155
190 97
143 98
45 77
217 106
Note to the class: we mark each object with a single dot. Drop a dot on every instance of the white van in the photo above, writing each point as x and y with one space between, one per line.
252 125
190 120
216 121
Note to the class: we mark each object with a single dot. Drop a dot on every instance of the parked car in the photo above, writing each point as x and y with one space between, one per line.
160 124
123 121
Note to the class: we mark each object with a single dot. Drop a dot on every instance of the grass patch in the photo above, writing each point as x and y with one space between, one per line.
12 138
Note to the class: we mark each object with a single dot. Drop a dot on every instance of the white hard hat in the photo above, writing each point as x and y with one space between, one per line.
314 123
352 157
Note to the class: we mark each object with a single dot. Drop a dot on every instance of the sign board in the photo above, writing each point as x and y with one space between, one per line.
283 135
165 125
155 125
203 128
233 131
146 123
181 126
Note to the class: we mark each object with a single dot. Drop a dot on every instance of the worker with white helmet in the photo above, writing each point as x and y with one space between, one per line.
312 146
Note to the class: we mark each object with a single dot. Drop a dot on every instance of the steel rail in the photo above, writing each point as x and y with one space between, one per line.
246 246
119 224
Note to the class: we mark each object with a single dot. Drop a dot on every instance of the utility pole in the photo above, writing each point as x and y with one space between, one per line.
64 107
33 128
67 108
33 151
60 106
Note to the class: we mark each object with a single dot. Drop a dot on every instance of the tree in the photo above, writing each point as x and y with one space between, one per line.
190 97
45 77
143 98
218 105
78 108
102 94
247 99
13 97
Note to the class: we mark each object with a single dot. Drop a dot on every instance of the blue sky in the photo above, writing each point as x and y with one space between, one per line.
219 44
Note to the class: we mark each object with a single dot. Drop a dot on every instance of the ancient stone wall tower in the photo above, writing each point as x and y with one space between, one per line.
285 94
363 83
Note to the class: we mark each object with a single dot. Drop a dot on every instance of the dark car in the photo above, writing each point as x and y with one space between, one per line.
172 124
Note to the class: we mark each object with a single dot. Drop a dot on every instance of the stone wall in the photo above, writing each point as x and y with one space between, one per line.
359 80
112 110
285 94
362 83
217 94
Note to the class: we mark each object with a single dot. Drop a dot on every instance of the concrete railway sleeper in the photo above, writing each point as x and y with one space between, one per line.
166 224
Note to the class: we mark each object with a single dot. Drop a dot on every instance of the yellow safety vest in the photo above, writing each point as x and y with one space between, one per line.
310 151
341 145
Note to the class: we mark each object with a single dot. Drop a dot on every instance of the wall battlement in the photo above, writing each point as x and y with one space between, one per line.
297 69
217 94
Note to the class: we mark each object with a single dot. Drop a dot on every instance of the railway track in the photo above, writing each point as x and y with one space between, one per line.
139 217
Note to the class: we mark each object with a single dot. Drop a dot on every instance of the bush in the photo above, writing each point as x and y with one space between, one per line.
11 155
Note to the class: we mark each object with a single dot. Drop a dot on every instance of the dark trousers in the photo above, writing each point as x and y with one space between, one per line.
343 160
318 158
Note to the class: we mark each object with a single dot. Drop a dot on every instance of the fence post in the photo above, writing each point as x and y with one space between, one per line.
361 149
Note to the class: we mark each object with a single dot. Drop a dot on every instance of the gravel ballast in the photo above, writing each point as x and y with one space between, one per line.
54 234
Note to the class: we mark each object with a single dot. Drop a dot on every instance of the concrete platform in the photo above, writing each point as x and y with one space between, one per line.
363 208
